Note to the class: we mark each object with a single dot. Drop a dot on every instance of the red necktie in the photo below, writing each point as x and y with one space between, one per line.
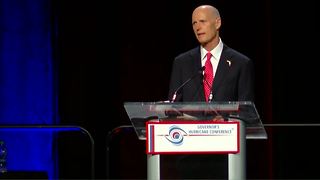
208 77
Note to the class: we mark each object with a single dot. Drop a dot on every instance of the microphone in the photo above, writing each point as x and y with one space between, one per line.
210 95
218 115
199 72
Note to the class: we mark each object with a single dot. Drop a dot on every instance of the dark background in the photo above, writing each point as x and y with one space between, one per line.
121 51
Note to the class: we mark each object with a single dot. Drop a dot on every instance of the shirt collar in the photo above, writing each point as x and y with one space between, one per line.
216 52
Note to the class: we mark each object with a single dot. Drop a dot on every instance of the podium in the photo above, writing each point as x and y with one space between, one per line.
243 112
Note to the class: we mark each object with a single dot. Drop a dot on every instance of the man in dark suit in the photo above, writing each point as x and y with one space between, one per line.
232 71
231 79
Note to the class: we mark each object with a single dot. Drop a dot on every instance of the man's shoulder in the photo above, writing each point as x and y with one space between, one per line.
190 53
234 53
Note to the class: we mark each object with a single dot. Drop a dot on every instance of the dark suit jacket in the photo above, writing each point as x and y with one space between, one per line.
233 80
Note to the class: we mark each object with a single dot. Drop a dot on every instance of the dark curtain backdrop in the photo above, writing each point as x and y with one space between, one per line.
117 51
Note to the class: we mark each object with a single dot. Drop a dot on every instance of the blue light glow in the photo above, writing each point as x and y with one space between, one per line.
27 83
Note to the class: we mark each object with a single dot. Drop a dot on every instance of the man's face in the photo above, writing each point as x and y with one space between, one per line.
205 25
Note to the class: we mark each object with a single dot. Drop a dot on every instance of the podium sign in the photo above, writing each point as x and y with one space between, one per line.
185 137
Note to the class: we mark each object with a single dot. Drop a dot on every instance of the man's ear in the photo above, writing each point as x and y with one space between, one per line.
218 23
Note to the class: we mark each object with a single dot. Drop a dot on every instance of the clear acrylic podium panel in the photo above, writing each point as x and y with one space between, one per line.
290 152
140 112
72 154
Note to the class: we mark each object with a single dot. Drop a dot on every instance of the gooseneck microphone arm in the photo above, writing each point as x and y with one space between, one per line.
199 72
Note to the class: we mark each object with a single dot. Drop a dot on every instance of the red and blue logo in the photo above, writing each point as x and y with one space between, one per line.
176 135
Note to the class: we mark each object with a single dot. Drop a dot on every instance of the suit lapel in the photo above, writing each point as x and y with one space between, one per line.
196 59
222 70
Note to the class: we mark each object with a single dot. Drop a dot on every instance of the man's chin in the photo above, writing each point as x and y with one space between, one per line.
202 41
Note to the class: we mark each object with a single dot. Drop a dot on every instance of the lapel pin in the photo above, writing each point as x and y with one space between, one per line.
229 62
